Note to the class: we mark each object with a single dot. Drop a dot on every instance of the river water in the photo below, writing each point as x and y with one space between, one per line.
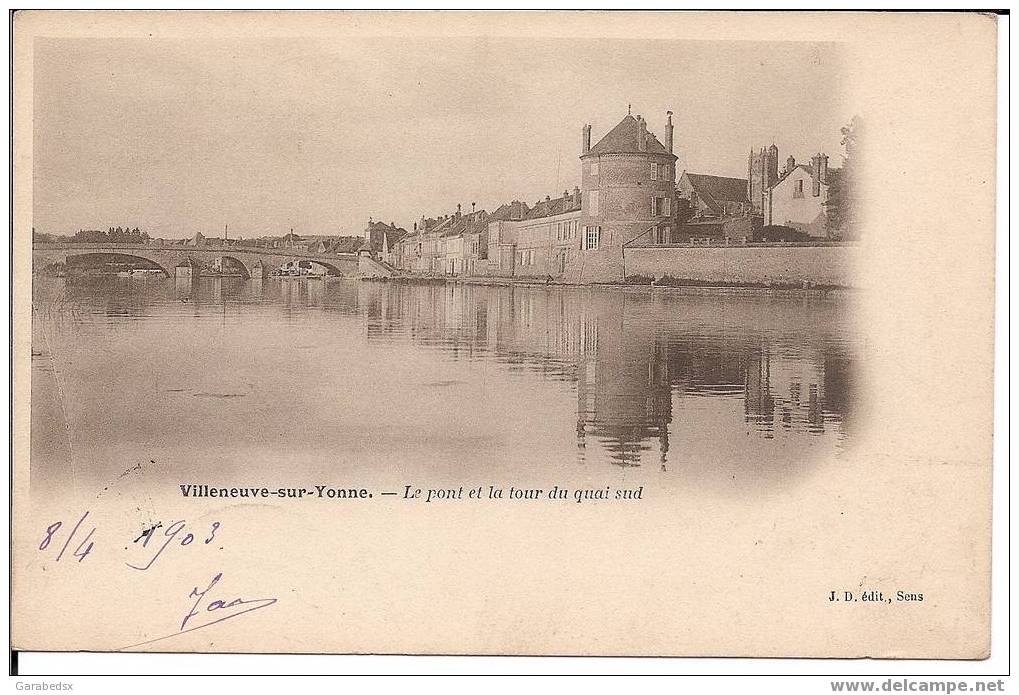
289 382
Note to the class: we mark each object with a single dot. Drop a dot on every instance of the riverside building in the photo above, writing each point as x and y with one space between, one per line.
627 191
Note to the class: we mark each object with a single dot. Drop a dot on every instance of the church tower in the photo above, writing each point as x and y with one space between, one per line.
762 174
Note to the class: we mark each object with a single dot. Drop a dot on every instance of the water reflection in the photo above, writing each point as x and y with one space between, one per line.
658 379
631 355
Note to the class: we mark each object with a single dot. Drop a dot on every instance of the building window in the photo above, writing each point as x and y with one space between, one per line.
565 230
660 207
798 191
654 171
663 234
592 202
592 238
594 168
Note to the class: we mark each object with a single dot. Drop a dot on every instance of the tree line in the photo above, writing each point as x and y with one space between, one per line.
116 235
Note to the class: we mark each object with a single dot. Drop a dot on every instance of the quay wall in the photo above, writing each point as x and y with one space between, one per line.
831 265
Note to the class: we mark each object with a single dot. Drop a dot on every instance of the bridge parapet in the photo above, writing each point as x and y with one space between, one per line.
256 260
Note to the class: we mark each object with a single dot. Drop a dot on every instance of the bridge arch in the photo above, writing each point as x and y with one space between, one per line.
330 268
333 270
238 264
115 257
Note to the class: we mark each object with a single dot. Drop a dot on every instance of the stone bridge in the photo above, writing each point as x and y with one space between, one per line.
250 261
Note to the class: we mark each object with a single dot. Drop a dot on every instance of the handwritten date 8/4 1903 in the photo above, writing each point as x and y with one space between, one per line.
176 534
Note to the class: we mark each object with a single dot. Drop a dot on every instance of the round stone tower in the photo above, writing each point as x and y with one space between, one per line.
628 181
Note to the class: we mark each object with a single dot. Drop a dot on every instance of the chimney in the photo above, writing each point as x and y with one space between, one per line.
458 210
668 130
586 142
472 207
790 163
576 195
824 168
815 168
641 134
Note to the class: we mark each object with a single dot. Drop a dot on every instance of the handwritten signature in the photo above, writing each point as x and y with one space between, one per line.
204 613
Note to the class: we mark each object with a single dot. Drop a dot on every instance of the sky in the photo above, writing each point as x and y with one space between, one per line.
178 136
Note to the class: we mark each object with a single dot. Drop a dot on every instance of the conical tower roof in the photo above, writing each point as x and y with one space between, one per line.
624 139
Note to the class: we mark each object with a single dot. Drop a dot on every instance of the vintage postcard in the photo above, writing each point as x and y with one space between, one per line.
525 333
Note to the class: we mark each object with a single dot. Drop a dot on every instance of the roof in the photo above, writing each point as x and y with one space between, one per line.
441 225
378 231
425 224
554 206
346 244
623 140
465 223
806 167
394 235
510 211
382 227
719 188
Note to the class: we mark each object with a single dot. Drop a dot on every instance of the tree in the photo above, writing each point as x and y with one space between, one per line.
91 236
842 208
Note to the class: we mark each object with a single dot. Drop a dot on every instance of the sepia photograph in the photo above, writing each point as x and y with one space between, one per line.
503 333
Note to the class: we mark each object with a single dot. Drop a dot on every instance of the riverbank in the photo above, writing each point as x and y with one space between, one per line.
643 287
